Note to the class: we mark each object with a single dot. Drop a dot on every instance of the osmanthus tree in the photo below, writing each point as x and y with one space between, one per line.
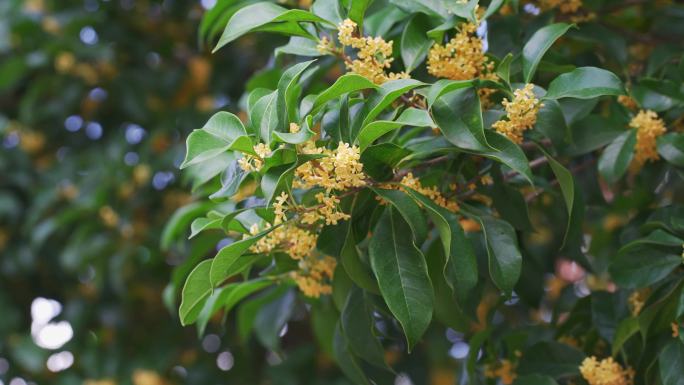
508 171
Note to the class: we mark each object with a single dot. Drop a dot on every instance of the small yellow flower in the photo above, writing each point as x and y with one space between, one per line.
565 6
637 300
628 102
649 127
521 113
314 276
605 372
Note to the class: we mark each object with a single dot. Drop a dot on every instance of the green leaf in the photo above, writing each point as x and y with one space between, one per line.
358 324
585 83
444 86
267 16
299 137
626 329
345 84
567 185
616 158
503 70
508 153
230 260
226 298
265 116
357 8
414 42
535 379
460 268
671 363
607 310
180 220
552 359
671 148
459 116
358 272
195 293
224 131
385 95
408 209
346 359
539 43
288 90
510 203
505 260
271 319
402 275
410 117
639 265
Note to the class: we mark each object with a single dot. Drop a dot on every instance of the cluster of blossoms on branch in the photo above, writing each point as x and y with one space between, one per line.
649 127
373 54
521 114
294 229
606 372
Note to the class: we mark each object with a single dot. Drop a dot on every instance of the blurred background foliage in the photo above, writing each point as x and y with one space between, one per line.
96 98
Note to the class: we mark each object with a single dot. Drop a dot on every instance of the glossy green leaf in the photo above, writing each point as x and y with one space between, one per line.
385 95
350 365
223 132
345 84
230 260
271 319
288 91
536 47
458 115
266 16
408 209
585 83
414 42
410 117
402 275
616 158
625 329
265 116
195 293
358 325
460 267
505 260
671 363
639 265
671 148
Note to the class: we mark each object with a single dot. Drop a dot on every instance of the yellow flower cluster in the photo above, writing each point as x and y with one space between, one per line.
314 276
253 163
373 58
649 127
462 58
521 114
504 371
605 372
340 169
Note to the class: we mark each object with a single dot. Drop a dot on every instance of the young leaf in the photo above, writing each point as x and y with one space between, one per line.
265 16
410 117
223 132
585 83
536 47
402 275
345 84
